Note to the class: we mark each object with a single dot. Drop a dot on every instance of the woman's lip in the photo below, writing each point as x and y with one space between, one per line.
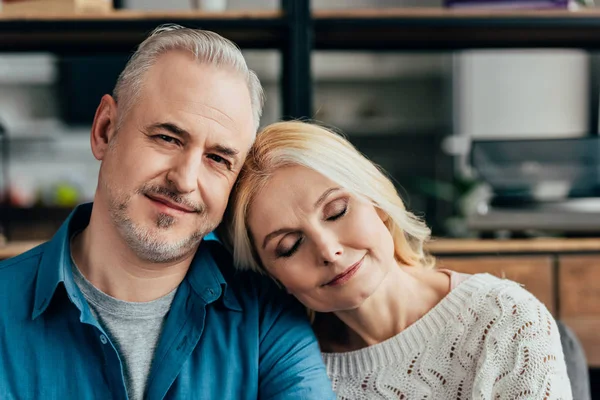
346 275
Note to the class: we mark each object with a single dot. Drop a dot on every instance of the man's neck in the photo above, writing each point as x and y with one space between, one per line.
111 266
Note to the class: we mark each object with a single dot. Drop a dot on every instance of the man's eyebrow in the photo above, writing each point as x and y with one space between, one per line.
170 127
178 131
226 150
285 230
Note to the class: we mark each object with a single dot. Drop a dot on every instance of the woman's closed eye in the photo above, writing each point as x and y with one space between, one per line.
291 242
288 246
336 209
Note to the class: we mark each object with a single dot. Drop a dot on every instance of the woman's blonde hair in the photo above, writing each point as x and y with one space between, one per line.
295 143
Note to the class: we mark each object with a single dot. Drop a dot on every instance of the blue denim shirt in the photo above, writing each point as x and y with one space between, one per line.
227 335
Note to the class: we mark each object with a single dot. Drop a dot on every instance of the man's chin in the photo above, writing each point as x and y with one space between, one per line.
161 249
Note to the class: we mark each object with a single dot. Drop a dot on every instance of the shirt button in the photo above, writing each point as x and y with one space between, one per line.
210 294
103 339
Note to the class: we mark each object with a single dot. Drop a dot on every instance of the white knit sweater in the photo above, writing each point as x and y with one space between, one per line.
487 339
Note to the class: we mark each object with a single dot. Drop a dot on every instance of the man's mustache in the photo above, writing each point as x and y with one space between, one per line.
174 196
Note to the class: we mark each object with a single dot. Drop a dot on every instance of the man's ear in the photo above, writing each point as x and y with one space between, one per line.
104 126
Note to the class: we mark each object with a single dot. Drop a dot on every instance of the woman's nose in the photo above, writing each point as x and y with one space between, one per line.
329 248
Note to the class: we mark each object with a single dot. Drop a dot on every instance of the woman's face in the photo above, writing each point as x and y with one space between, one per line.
329 248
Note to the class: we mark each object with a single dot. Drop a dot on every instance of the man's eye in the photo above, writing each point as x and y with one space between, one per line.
167 138
217 158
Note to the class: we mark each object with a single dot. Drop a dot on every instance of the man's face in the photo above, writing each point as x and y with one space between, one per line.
167 173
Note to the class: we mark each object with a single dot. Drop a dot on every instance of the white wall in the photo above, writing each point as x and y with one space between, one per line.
522 93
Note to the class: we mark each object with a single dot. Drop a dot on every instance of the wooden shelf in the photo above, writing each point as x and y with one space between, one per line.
442 246
523 246
12 249
373 29
123 30
447 29
128 15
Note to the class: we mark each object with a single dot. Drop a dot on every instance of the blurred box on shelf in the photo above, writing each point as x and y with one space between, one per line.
511 4
33 7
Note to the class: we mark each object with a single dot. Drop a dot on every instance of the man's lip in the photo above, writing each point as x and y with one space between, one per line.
169 203
348 271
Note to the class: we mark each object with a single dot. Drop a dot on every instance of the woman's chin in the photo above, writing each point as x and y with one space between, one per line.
348 303
347 297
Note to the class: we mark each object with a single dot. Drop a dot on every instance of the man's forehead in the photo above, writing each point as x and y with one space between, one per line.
204 91
206 112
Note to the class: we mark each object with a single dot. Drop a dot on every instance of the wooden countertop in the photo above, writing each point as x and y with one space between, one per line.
489 246
12 249
440 246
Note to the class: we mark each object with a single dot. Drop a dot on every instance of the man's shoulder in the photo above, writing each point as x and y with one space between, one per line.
28 259
239 280
250 284
18 274
250 288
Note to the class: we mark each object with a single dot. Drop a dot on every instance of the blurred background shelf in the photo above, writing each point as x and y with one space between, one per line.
442 29
364 29
34 223
122 30
397 110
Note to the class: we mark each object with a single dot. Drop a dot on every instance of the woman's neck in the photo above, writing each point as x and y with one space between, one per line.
404 296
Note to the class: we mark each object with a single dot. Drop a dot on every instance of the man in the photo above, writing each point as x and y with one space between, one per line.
134 297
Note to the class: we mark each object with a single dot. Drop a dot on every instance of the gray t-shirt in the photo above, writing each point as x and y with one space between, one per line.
134 329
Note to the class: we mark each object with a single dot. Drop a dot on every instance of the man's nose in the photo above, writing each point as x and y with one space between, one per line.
185 174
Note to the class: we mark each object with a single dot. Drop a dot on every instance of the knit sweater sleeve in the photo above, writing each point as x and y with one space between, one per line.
522 356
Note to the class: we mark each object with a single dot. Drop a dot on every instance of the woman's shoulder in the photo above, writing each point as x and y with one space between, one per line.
503 297
504 308
488 285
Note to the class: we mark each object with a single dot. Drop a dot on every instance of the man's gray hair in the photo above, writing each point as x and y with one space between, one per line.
207 47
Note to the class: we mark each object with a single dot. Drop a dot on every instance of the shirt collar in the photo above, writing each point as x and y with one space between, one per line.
207 279
55 267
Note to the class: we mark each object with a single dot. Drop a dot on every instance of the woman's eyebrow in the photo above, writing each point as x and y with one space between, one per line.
324 196
274 234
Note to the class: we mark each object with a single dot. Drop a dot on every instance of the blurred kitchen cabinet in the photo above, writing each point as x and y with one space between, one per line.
579 293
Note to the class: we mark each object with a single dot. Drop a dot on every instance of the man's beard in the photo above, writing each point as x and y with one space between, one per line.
146 242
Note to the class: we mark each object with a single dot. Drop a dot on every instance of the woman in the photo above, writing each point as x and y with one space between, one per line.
313 213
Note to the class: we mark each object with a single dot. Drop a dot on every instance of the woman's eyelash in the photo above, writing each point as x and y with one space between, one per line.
291 251
338 215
